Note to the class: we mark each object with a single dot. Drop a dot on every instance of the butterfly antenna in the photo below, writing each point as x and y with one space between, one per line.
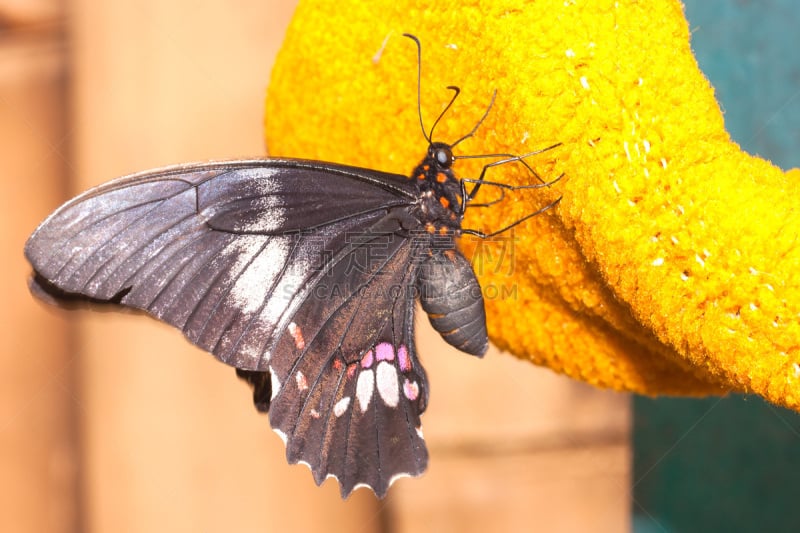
456 92
419 84
478 125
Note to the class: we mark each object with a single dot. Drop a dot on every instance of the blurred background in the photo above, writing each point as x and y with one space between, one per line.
113 422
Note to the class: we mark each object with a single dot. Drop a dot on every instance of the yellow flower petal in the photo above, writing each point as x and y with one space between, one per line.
671 264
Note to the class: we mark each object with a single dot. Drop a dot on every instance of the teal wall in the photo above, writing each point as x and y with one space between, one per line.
731 464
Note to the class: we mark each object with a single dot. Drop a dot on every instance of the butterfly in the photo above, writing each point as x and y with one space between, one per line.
303 275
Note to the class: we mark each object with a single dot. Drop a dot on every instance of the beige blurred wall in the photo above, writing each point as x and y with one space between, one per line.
112 422
38 471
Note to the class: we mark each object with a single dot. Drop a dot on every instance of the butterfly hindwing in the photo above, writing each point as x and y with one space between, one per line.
356 379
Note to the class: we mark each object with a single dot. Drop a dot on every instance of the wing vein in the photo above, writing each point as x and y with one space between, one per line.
133 252
100 220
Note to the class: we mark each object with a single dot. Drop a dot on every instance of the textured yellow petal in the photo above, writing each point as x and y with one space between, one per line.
671 264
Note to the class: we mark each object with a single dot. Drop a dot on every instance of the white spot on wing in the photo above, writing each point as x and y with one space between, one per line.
281 434
364 388
388 386
248 290
341 406
291 279
411 389
300 378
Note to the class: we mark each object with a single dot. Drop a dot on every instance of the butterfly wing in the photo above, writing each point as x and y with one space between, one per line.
219 250
356 379
293 272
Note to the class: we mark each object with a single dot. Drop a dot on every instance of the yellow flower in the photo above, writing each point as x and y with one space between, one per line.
671 265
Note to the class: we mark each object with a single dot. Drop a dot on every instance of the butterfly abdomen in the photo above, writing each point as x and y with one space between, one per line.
451 296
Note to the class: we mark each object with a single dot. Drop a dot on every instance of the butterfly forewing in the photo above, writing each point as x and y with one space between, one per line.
297 195
202 245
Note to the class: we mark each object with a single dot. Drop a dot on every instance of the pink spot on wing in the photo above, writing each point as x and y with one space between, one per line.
384 352
297 335
314 413
411 390
351 369
367 359
403 360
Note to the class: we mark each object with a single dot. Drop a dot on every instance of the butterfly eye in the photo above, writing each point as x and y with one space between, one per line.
444 156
